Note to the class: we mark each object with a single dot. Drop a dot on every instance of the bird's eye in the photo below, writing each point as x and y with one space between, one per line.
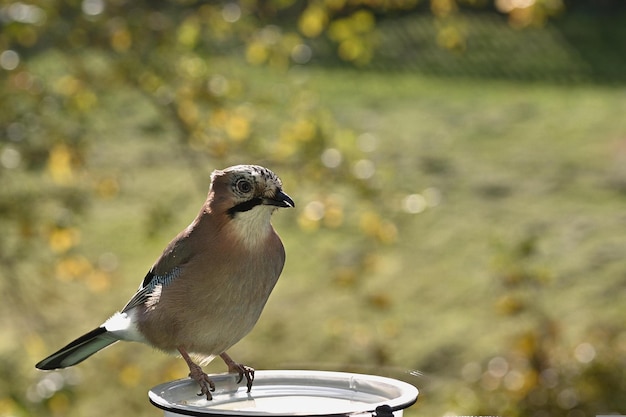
244 186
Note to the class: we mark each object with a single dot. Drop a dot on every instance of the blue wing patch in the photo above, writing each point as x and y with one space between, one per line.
152 283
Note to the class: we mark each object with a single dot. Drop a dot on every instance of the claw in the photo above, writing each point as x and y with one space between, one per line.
198 375
206 385
242 370
246 371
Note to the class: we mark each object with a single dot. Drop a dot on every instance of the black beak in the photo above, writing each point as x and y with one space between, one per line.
280 199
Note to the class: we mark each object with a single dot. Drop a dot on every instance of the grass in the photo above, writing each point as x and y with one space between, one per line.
511 162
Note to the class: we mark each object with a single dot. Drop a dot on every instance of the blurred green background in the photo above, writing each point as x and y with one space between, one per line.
459 168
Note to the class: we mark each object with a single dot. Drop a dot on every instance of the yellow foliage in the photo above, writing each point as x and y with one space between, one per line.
372 225
307 223
67 85
443 8
73 267
509 305
290 41
529 380
329 211
27 36
335 4
130 375
339 30
380 300
302 130
257 53
59 404
363 21
72 87
527 343
214 22
107 187
359 23
60 164
150 81
313 21
369 223
35 348
188 111
85 100
333 216
527 16
391 328
345 276
218 147
98 281
451 38
236 124
218 118
191 67
351 49
284 148
8 407
189 32
173 369
387 232
371 262
238 127
121 39
61 239
351 34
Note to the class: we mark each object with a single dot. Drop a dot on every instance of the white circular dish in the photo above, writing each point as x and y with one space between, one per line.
288 393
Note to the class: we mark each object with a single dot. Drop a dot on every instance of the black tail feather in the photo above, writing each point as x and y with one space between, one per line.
78 350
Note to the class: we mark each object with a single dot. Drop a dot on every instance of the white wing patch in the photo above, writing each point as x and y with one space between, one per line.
124 327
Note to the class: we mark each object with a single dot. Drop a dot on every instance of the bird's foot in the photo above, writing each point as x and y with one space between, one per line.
206 385
198 375
242 370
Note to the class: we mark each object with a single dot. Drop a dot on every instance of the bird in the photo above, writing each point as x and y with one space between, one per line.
209 286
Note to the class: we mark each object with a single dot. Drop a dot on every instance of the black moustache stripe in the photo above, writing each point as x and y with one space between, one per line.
245 206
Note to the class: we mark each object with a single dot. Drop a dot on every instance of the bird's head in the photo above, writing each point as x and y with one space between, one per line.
242 188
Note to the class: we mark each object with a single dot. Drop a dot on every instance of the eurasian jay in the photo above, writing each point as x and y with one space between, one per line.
207 289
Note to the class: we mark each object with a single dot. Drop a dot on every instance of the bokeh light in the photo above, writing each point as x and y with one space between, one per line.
9 60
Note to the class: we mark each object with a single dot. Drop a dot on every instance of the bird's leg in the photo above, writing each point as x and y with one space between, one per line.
198 375
242 370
